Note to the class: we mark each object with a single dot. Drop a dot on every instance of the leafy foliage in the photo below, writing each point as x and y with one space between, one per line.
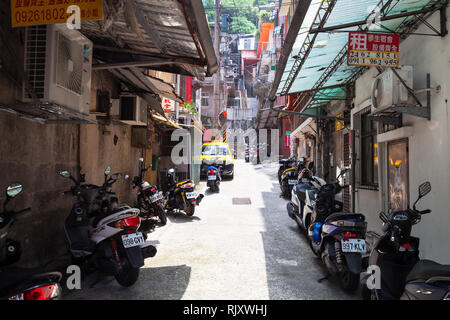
191 107
245 14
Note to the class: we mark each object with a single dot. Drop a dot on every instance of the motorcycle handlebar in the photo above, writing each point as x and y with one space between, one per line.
23 211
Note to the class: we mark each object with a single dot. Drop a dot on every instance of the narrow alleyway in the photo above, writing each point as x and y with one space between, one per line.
229 251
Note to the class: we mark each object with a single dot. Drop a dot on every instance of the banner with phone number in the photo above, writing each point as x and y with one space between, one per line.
38 12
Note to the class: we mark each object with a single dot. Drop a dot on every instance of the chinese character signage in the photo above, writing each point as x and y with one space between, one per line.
373 49
36 12
168 105
287 139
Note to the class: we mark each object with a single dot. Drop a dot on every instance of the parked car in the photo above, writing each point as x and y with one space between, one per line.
217 154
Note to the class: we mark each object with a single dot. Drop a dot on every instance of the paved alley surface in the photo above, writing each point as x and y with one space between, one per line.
228 251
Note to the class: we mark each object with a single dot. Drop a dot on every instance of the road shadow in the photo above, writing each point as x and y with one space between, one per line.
181 217
208 192
293 270
160 283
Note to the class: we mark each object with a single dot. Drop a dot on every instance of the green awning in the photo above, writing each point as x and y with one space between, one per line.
326 64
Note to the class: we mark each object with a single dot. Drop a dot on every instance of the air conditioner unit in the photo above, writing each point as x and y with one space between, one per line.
58 65
388 91
131 109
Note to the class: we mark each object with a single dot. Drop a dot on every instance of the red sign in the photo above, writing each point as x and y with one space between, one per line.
373 49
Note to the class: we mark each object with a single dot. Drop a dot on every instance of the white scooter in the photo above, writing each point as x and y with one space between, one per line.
303 196
103 233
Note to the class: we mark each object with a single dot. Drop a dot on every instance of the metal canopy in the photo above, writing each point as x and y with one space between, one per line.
166 35
317 62
150 88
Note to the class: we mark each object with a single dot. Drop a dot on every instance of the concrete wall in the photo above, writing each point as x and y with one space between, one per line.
429 154
32 154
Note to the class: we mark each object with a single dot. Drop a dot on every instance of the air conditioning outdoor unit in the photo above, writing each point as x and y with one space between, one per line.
130 109
58 65
388 91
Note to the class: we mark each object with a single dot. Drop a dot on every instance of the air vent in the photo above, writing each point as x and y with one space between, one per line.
35 55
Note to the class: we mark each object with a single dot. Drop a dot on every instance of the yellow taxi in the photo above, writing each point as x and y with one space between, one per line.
217 154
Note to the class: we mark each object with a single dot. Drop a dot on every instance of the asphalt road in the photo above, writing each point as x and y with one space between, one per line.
229 252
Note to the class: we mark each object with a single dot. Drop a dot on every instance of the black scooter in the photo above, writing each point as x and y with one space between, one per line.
149 200
180 195
214 178
103 234
19 283
402 274
284 165
338 237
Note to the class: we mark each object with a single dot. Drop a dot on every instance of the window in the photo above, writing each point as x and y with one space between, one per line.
368 151
214 150
183 87
205 99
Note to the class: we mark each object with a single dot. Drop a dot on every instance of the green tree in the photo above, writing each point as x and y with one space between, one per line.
241 25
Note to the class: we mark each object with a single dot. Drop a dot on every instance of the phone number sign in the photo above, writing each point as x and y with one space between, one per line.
373 49
37 12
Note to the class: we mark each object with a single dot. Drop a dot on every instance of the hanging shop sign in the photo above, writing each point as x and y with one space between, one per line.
38 12
287 139
168 105
340 124
373 49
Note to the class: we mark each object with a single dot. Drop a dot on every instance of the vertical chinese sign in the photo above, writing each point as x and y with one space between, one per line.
373 49
37 12
287 139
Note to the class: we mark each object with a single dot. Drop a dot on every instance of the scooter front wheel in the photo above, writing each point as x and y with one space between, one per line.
162 216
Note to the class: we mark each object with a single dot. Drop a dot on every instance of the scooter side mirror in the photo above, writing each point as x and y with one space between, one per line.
107 170
65 174
383 217
424 189
13 190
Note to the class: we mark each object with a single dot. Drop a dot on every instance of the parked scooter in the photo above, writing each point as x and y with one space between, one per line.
149 199
181 195
214 178
403 275
103 234
18 283
338 237
303 198
284 165
289 178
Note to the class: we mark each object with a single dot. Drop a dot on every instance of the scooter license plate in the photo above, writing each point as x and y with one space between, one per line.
292 182
132 240
354 245
191 195
155 197
212 178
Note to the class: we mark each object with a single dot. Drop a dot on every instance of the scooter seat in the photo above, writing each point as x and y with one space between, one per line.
12 276
426 269
344 215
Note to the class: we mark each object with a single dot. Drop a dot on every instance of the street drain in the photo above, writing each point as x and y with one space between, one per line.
241 201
